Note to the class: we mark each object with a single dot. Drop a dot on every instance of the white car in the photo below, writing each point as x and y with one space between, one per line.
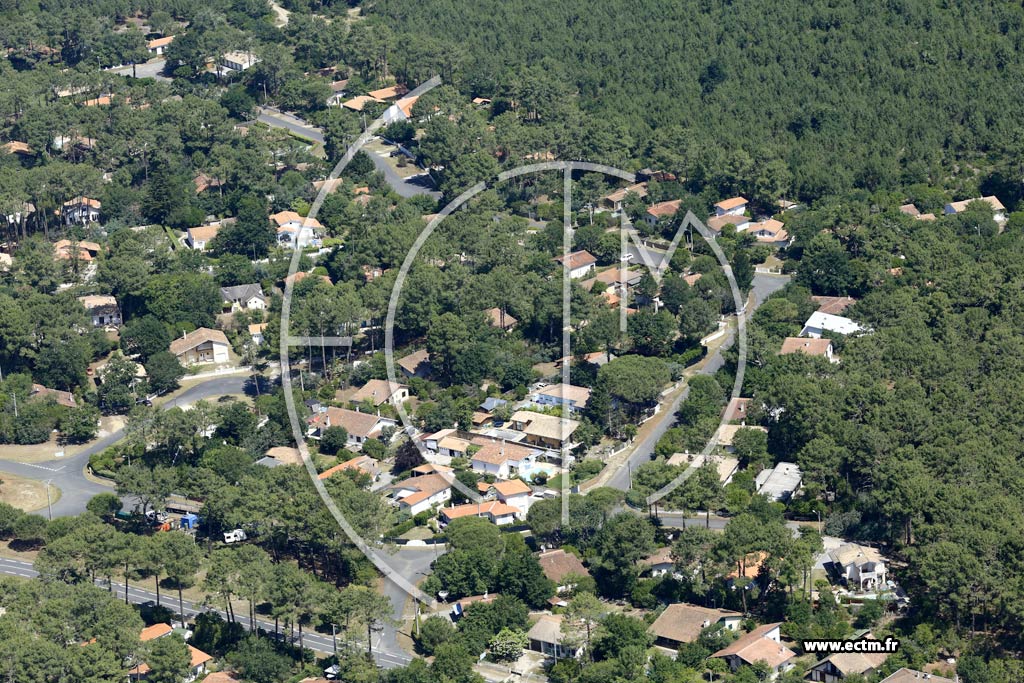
234 536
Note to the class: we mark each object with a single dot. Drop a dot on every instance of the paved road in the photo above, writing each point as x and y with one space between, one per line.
293 124
151 69
763 286
68 474
317 641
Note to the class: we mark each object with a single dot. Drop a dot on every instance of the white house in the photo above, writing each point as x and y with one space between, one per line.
515 493
780 482
236 62
256 331
199 238
613 200
201 346
360 426
661 211
819 323
734 206
544 430
562 394
861 566
379 392
546 637
248 297
158 46
494 511
821 347
416 494
717 223
763 644
998 210
102 309
81 210
841 665
294 231
579 263
504 459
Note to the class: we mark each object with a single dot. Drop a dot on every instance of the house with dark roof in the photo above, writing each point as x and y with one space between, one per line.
244 297
560 566
103 310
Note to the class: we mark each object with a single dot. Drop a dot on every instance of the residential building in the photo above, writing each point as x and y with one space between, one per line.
562 394
256 331
998 210
658 563
158 46
379 391
763 644
514 493
821 323
579 263
492 403
201 346
737 409
905 675
769 231
734 206
64 398
717 223
910 210
498 317
197 658
416 364
200 237
682 623
561 567
389 93
860 566
102 309
503 459
542 430
81 210
66 250
359 425
236 62
840 666
361 463
833 305
616 279
494 511
244 297
546 637
459 607
295 231
416 494
821 347
724 465
613 200
359 102
727 435
661 211
779 483
400 110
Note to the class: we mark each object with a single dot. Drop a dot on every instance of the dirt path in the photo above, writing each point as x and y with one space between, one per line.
281 14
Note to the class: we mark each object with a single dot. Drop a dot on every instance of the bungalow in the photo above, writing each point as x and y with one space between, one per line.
546 637
360 426
359 102
682 623
503 459
81 210
998 210
17 147
658 563
905 675
763 644
200 237
498 317
779 483
718 223
734 206
613 200
859 565
661 211
841 665
379 392
236 62
197 658
295 231
725 466
769 231
64 398
416 364
492 403
544 430
400 110
819 323
910 210
450 443
361 463
157 46
102 309
201 346
416 494
560 568
337 92
244 297
493 511
578 263
810 347
256 331
727 435
562 394
67 250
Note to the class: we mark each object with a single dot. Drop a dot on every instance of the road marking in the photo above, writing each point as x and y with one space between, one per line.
43 467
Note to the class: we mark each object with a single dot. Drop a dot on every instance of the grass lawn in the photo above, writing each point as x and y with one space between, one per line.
27 495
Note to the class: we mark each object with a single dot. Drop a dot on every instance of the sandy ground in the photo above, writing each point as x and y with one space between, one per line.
26 494
384 152
40 452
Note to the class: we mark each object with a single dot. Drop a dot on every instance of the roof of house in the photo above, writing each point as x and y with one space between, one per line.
850 663
905 675
377 390
910 210
494 508
155 631
363 463
756 647
853 553
329 185
64 398
160 42
832 323
731 203
991 200
772 229
494 452
91 301
267 461
414 360
780 481
577 259
926 217
663 209
810 347
423 487
492 402
17 147
639 189
197 657
355 422
195 338
221 677
405 105
496 318
682 622
80 200
204 233
389 92
545 426
613 275
737 409
833 305
727 433
286 454
283 218
359 102
548 629
514 487
242 292
662 555
558 564
257 328
567 392
430 467
692 278
716 223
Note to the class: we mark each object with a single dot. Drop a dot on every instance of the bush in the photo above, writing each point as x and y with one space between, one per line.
422 518
333 440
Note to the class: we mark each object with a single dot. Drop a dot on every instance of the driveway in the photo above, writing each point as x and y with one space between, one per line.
151 69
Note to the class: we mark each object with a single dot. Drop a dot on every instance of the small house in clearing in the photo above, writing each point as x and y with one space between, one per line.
201 346
682 623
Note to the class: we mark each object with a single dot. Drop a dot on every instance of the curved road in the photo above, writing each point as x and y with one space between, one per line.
68 474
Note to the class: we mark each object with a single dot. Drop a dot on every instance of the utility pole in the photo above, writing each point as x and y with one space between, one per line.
49 510
15 397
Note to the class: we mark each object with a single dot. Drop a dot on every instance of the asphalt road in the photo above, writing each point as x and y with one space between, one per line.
152 69
68 474
316 641
293 124
764 285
